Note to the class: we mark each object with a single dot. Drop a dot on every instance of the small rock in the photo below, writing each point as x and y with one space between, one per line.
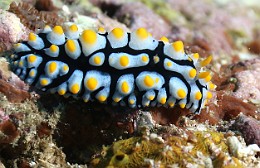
144 119
239 150
249 127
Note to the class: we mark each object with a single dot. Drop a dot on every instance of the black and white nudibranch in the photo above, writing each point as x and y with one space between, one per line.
117 67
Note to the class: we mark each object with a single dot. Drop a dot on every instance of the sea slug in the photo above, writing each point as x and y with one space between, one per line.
117 67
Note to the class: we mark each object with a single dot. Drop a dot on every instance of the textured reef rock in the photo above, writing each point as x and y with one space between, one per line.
42 130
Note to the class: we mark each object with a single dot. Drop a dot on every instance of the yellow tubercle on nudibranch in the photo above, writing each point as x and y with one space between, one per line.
156 59
117 67
73 28
196 55
211 85
75 88
206 61
52 51
72 31
209 95
182 105
148 81
32 73
32 37
102 98
35 41
65 67
74 82
192 73
61 91
101 30
125 87
89 37
102 95
164 39
91 41
142 39
181 93
131 101
97 60
117 38
32 58
163 100
92 83
202 75
171 104
19 47
44 81
198 95
142 33
116 99
46 29
145 58
56 36
157 80
178 46
58 30
118 32
151 97
70 45
53 48
207 78
169 64
52 67
124 60
72 49
21 63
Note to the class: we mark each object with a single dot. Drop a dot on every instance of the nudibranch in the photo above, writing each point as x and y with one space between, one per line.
117 67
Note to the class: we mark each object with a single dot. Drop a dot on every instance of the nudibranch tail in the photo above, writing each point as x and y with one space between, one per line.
117 67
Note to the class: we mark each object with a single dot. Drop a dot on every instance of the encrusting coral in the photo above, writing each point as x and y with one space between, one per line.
206 148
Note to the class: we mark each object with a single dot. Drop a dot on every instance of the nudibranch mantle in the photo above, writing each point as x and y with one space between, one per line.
117 67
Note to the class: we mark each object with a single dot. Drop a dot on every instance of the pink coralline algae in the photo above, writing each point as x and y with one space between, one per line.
248 81
11 30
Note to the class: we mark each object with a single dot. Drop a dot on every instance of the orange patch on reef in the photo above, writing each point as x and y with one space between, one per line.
10 131
13 94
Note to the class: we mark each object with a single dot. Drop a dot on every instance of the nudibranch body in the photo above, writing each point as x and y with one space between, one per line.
129 69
